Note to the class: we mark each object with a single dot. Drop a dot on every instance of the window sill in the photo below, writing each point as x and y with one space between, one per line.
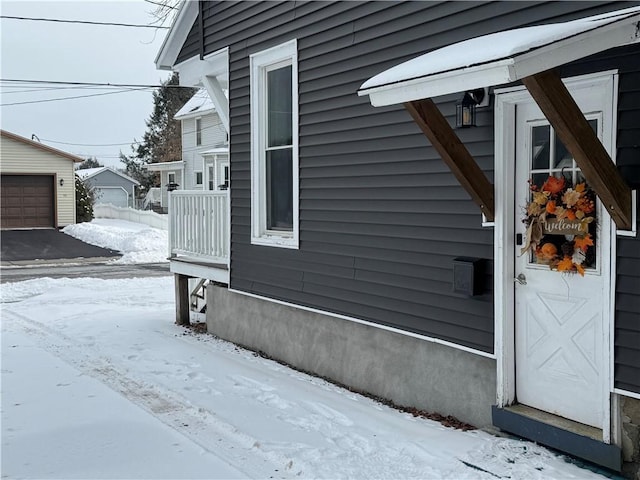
276 241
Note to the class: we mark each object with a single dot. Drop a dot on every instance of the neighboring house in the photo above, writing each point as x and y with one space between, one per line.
152 199
171 178
204 144
38 184
110 186
355 247
205 156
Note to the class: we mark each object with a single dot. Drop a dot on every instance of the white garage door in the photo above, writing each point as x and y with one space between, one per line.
115 196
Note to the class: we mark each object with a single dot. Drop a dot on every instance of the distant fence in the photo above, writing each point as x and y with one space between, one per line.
155 220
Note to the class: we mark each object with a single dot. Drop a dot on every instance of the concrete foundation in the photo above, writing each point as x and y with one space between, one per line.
406 370
630 408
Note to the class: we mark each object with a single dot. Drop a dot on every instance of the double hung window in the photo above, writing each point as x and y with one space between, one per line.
274 146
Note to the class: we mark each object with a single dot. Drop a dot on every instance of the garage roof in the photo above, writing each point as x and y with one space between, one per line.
39 145
86 173
501 57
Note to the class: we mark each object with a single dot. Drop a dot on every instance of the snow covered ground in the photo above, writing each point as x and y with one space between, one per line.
98 382
138 243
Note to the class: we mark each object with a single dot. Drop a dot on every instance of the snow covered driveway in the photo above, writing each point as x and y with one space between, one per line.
98 382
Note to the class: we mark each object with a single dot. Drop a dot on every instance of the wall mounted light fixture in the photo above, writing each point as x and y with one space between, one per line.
466 108
61 182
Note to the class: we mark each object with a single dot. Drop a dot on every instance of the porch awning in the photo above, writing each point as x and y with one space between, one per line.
502 57
164 166
215 151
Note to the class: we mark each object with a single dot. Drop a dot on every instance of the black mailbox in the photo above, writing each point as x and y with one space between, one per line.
467 275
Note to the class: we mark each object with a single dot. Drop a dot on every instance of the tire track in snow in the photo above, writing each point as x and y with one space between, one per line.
197 424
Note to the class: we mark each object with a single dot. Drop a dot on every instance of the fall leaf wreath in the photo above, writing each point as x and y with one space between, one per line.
560 221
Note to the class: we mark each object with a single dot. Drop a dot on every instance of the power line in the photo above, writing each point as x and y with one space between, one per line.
90 144
69 98
99 84
35 89
86 22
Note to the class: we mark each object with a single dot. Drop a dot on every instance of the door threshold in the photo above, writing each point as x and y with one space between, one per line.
576 439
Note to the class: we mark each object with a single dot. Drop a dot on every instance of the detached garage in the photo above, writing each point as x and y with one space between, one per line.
110 186
37 184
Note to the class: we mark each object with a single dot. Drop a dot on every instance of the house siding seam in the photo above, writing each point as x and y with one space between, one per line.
381 216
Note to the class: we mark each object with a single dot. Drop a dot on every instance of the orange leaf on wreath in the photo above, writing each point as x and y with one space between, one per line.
553 185
571 215
580 269
565 265
580 187
583 243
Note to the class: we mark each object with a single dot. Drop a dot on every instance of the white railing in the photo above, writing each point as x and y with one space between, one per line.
199 225
106 210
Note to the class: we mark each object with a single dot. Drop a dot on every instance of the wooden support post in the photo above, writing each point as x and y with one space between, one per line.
572 128
433 124
182 299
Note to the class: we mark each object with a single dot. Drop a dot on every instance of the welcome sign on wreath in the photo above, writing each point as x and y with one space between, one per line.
561 225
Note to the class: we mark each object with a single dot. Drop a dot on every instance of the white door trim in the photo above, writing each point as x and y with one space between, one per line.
504 244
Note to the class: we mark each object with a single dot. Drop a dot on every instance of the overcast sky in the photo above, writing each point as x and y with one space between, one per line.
79 53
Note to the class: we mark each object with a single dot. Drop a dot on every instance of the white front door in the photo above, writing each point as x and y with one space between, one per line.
561 319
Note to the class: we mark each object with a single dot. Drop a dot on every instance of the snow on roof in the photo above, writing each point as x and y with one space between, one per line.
85 173
199 104
502 57
163 166
215 151
89 172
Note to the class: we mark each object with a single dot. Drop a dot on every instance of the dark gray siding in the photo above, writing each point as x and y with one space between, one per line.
627 335
627 320
381 216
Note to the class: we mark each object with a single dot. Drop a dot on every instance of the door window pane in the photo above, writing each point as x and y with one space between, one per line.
540 146
554 245
279 189
210 178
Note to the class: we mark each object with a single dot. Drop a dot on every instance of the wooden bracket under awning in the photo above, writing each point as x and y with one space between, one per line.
444 139
570 125
572 128
526 54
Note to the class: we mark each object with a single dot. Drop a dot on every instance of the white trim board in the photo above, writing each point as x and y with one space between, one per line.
369 324
504 234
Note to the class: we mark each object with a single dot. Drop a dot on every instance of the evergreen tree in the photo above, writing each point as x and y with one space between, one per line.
162 142
134 168
91 162
85 199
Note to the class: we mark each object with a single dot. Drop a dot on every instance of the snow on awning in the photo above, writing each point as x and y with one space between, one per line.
502 57
215 151
164 166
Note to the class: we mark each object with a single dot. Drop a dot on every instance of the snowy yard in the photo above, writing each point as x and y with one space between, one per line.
138 243
98 382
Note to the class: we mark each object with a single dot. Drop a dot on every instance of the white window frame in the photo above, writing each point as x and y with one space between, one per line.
169 177
198 130
195 178
260 63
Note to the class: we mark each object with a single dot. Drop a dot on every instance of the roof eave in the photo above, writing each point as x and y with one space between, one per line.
172 44
198 113
42 146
